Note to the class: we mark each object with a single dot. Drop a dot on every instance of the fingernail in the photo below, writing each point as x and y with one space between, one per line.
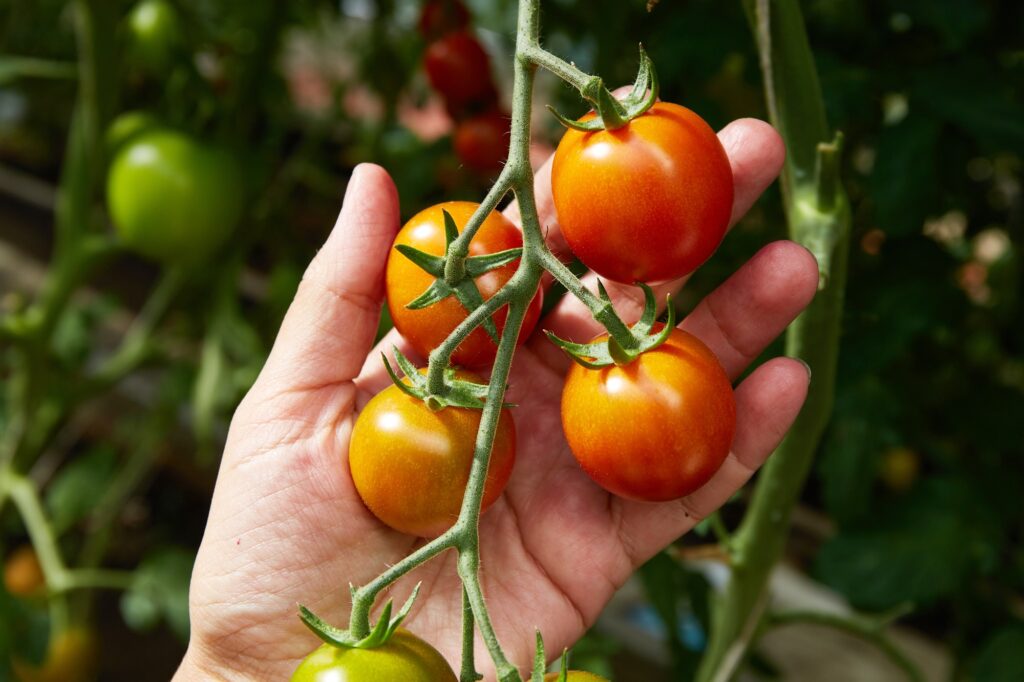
806 366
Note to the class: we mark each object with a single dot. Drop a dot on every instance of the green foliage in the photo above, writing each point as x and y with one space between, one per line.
159 592
79 486
1001 658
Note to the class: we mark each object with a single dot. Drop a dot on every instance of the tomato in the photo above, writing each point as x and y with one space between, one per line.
575 676
655 429
403 658
154 30
648 202
72 656
900 468
481 142
172 198
442 16
426 328
410 464
459 69
127 127
23 576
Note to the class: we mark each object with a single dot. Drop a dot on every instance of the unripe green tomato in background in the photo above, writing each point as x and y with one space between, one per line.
126 127
154 32
173 198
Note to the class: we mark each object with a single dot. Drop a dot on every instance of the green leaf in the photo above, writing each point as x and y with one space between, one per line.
904 183
922 549
79 486
1001 658
159 591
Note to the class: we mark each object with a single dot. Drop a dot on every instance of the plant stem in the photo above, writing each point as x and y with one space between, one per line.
819 218
869 631
517 176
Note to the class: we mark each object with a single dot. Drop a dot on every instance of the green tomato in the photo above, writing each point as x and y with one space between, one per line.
154 29
172 198
403 658
126 127
574 676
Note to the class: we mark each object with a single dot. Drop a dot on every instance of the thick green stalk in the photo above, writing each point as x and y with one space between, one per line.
819 218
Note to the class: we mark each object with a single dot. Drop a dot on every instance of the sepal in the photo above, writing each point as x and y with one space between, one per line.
647 336
382 631
458 392
613 113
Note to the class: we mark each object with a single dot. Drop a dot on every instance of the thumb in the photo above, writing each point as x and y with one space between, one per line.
330 326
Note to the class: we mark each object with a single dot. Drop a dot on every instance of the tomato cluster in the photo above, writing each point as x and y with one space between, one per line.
460 71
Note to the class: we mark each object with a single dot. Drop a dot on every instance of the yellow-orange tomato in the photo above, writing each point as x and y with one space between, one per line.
426 328
411 465
574 676
403 658
23 576
655 429
72 656
647 202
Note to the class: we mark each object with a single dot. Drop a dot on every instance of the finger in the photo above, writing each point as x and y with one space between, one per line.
756 153
373 377
767 403
743 315
330 325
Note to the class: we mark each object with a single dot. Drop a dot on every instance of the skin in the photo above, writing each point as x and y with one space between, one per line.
404 658
656 429
647 202
410 465
426 328
286 525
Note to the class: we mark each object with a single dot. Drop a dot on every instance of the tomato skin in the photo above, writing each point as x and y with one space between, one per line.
575 676
410 465
155 31
648 202
403 658
460 70
439 17
126 127
172 198
656 429
23 575
72 656
482 142
426 328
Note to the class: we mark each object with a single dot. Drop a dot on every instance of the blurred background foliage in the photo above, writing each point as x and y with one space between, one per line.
918 481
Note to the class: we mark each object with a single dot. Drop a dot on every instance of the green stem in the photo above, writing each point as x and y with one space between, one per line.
818 214
468 672
869 631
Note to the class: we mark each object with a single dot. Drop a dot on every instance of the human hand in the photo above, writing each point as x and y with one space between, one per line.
287 526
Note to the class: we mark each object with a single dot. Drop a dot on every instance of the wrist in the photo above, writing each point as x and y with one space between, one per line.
195 667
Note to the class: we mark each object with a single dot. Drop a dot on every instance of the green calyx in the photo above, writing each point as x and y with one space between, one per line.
613 351
457 392
379 635
456 273
540 663
613 113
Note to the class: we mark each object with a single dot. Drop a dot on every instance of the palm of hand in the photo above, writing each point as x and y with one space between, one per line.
287 526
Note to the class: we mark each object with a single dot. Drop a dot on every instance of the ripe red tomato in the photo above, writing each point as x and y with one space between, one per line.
403 658
648 202
482 141
426 328
655 429
442 16
459 69
411 464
